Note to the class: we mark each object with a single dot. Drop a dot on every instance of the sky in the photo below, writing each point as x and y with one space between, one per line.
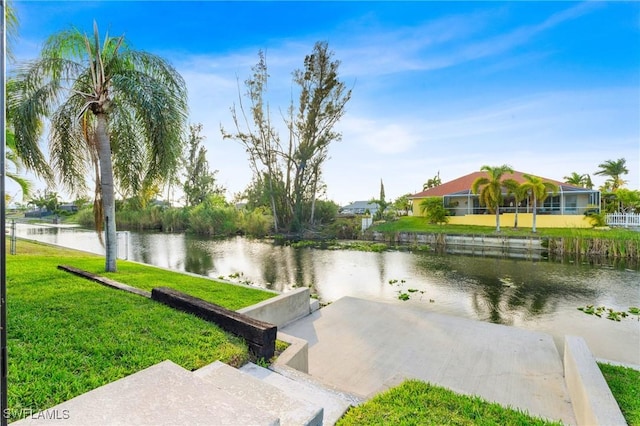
549 88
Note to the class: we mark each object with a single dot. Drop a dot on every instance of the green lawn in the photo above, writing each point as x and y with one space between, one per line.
625 385
147 277
419 403
419 224
67 335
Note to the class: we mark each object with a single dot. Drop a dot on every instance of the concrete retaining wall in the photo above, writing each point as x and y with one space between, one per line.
296 356
283 309
592 400
470 244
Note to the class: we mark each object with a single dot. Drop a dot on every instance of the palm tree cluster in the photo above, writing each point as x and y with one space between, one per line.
611 196
577 179
613 169
490 191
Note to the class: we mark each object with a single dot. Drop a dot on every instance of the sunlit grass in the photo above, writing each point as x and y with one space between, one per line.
624 383
419 403
419 224
67 335
147 277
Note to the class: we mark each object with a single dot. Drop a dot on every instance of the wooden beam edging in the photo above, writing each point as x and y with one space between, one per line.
259 335
104 281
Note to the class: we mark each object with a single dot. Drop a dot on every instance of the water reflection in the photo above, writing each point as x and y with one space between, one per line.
197 257
502 289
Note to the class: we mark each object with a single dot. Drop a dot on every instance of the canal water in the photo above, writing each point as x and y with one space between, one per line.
537 295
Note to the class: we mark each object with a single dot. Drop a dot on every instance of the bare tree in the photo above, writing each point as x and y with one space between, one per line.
321 104
292 177
255 133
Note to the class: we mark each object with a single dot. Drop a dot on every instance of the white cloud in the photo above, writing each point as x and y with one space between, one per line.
381 137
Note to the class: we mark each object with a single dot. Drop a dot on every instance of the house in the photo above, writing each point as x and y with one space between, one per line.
68 207
461 203
360 207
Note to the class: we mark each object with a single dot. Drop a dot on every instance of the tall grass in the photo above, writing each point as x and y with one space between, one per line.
204 219
256 223
217 221
612 243
175 219
149 218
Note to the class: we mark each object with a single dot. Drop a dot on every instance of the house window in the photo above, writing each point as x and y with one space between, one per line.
571 204
551 204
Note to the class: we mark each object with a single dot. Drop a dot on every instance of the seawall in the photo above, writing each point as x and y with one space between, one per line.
527 247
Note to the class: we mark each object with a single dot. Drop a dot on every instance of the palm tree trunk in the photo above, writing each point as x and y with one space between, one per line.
535 205
497 218
108 193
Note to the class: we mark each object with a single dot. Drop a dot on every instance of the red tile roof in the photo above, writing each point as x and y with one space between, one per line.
465 182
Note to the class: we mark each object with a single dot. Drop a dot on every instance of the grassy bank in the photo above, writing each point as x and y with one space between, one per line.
147 277
67 335
625 386
419 224
419 403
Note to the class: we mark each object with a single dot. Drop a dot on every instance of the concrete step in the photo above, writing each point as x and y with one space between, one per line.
285 406
303 386
164 394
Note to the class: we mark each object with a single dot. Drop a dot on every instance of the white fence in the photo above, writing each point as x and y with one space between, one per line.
623 219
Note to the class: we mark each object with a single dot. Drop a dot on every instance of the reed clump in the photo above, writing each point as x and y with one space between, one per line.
610 246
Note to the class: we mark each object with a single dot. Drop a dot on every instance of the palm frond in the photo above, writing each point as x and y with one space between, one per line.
129 155
68 145
25 184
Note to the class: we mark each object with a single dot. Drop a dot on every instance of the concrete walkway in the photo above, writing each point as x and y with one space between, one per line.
365 347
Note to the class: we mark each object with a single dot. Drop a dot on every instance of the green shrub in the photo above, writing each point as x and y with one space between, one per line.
174 219
85 217
146 219
434 210
214 219
255 223
325 211
597 219
344 229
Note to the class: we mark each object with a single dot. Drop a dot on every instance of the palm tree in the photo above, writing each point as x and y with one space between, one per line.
576 179
515 189
11 22
112 109
588 183
13 173
614 169
539 190
490 188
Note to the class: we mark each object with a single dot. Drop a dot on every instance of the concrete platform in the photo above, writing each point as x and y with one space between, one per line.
164 394
289 408
364 347
301 386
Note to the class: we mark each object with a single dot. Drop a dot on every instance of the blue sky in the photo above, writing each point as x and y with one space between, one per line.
549 88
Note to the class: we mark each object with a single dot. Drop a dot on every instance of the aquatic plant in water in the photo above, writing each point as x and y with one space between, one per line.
610 313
